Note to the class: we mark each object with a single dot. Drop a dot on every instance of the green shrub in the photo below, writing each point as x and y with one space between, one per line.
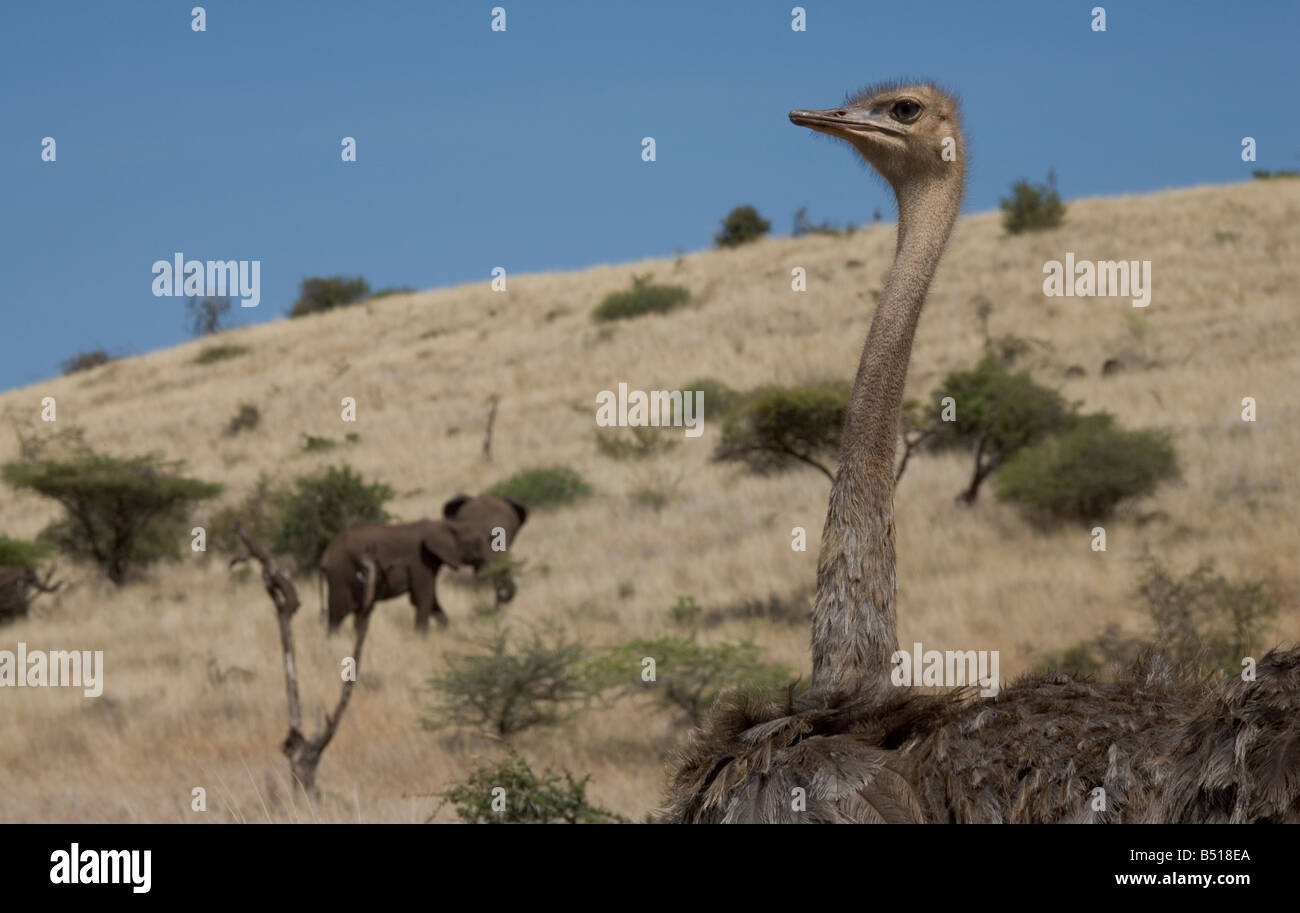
1261 174
22 553
219 353
508 692
527 798
1032 207
641 298
246 419
776 428
688 675
995 415
84 361
257 513
313 444
121 513
551 486
320 506
742 225
318 294
391 290
1085 472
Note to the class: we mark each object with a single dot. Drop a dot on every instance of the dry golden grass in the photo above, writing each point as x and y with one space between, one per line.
1223 324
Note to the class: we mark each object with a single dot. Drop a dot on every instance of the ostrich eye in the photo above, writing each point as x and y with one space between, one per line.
905 111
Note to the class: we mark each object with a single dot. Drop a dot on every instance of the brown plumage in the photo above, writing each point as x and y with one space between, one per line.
1155 746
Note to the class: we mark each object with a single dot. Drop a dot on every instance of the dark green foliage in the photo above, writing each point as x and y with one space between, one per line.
1261 174
742 225
641 298
391 290
636 442
528 798
1202 623
1032 207
507 691
257 513
776 428
219 353
688 675
1085 472
997 413
122 513
84 361
320 506
246 419
22 553
206 315
550 486
318 294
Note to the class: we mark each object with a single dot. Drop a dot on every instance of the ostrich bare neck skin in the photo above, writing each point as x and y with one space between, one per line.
854 628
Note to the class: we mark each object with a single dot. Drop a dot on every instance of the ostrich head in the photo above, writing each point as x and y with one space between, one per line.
909 133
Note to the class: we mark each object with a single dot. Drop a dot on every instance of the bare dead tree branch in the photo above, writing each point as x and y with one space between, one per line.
494 400
304 753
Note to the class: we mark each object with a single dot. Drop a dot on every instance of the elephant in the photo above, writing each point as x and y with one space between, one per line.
408 556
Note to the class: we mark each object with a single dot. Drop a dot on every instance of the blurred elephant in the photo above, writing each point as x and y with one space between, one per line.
408 556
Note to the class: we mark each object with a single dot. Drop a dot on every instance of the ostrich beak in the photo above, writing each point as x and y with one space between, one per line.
845 123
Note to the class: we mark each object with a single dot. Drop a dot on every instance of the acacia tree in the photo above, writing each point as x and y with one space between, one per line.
775 428
995 414
121 512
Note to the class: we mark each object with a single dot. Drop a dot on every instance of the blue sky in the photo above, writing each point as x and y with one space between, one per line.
522 148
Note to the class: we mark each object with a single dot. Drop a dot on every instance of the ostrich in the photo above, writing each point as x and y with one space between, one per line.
1152 747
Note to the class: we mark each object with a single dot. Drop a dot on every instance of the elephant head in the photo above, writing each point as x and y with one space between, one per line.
483 527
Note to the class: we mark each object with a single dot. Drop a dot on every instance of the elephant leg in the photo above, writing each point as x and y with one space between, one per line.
424 596
344 598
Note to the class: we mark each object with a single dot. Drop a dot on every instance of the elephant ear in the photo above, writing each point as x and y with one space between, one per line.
452 507
518 508
441 542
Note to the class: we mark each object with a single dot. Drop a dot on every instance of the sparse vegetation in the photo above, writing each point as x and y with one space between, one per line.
121 513
313 444
1083 473
246 419
507 691
526 797
1032 207
219 353
84 361
1261 174
804 226
742 225
641 298
207 315
546 487
776 428
639 443
317 294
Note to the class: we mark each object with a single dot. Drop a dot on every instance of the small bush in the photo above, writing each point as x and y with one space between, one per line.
257 513
84 361
641 298
313 444
776 428
552 486
742 225
805 226
1201 622
246 419
391 290
320 506
1032 207
207 315
22 553
121 513
316 294
528 798
219 353
639 443
1261 174
1085 472
507 691
688 675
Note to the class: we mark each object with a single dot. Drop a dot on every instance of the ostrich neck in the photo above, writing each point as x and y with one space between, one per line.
854 629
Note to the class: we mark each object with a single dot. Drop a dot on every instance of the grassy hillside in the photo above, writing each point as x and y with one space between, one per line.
1224 323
